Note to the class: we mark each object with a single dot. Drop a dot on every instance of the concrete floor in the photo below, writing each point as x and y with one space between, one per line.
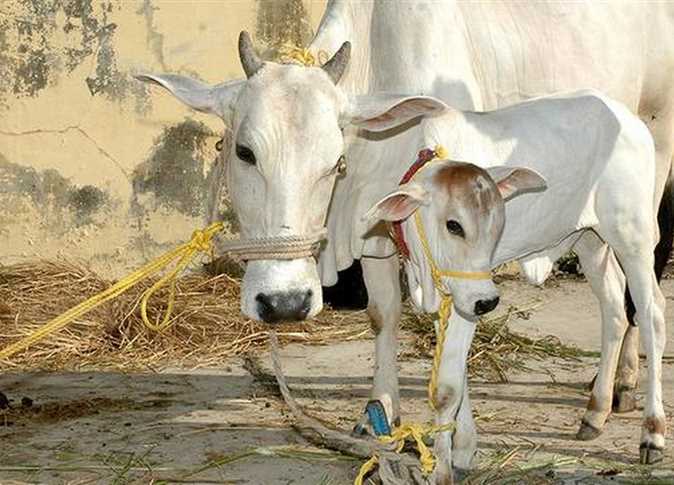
222 426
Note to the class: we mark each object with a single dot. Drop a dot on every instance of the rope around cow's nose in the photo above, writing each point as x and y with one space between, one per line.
273 247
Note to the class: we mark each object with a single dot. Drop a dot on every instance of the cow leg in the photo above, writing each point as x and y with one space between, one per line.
382 281
649 304
661 125
451 396
627 377
608 284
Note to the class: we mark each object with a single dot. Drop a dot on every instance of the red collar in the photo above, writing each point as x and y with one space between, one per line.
424 156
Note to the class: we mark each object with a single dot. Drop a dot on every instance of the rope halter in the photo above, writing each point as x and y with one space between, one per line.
274 247
423 160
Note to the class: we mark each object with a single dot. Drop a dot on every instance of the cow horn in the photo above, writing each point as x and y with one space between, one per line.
337 64
250 62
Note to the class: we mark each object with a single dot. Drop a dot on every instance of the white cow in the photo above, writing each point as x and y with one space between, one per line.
287 126
598 161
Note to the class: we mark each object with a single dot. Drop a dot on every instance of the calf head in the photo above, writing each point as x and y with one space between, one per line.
461 208
287 126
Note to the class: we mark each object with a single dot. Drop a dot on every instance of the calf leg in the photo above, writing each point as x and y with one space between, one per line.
452 396
384 308
465 437
608 284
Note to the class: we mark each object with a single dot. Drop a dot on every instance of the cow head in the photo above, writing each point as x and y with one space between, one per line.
287 126
462 210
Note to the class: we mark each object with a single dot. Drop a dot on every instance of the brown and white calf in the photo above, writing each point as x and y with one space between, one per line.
492 206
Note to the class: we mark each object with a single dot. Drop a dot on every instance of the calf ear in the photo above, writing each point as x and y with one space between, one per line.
216 99
380 112
399 204
514 181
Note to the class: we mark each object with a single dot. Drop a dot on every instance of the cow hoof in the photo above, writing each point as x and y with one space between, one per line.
4 402
590 385
650 454
587 432
361 429
624 401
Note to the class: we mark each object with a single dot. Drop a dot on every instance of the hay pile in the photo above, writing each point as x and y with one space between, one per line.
207 326
496 350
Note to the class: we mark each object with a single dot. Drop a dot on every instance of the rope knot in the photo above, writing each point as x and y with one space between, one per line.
416 433
200 241
441 152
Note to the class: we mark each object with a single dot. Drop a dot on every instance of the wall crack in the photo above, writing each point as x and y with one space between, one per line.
65 130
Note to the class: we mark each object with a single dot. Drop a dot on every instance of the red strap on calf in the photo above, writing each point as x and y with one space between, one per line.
424 156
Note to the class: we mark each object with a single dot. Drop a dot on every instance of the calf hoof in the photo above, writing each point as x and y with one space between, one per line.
460 474
360 430
650 454
587 432
624 401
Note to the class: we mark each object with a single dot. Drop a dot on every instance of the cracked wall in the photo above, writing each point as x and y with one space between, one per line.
95 166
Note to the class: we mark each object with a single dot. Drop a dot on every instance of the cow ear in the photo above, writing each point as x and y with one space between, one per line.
215 100
514 181
381 112
399 204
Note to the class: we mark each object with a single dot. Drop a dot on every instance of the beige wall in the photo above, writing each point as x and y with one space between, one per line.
93 165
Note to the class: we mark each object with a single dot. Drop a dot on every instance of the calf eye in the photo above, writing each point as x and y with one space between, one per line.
455 228
245 154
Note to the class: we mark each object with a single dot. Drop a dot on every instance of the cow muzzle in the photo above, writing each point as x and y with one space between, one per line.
274 290
284 306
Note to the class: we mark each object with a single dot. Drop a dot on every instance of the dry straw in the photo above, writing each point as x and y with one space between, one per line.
207 325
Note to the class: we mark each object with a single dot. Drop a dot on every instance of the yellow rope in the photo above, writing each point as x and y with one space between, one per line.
291 54
201 241
398 437
443 322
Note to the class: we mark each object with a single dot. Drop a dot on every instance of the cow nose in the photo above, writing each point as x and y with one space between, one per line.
289 306
485 306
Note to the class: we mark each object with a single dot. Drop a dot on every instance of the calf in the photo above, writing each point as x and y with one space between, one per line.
598 161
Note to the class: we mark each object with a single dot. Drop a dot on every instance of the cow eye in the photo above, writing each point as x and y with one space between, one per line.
245 154
455 228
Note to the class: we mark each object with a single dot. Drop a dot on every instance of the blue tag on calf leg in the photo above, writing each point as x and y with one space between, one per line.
376 413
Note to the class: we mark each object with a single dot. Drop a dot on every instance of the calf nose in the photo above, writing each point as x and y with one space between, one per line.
290 305
485 306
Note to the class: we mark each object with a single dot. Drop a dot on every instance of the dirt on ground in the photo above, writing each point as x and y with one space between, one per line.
227 425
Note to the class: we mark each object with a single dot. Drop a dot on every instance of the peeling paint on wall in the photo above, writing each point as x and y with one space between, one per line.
281 22
60 202
155 39
42 40
96 166
176 170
